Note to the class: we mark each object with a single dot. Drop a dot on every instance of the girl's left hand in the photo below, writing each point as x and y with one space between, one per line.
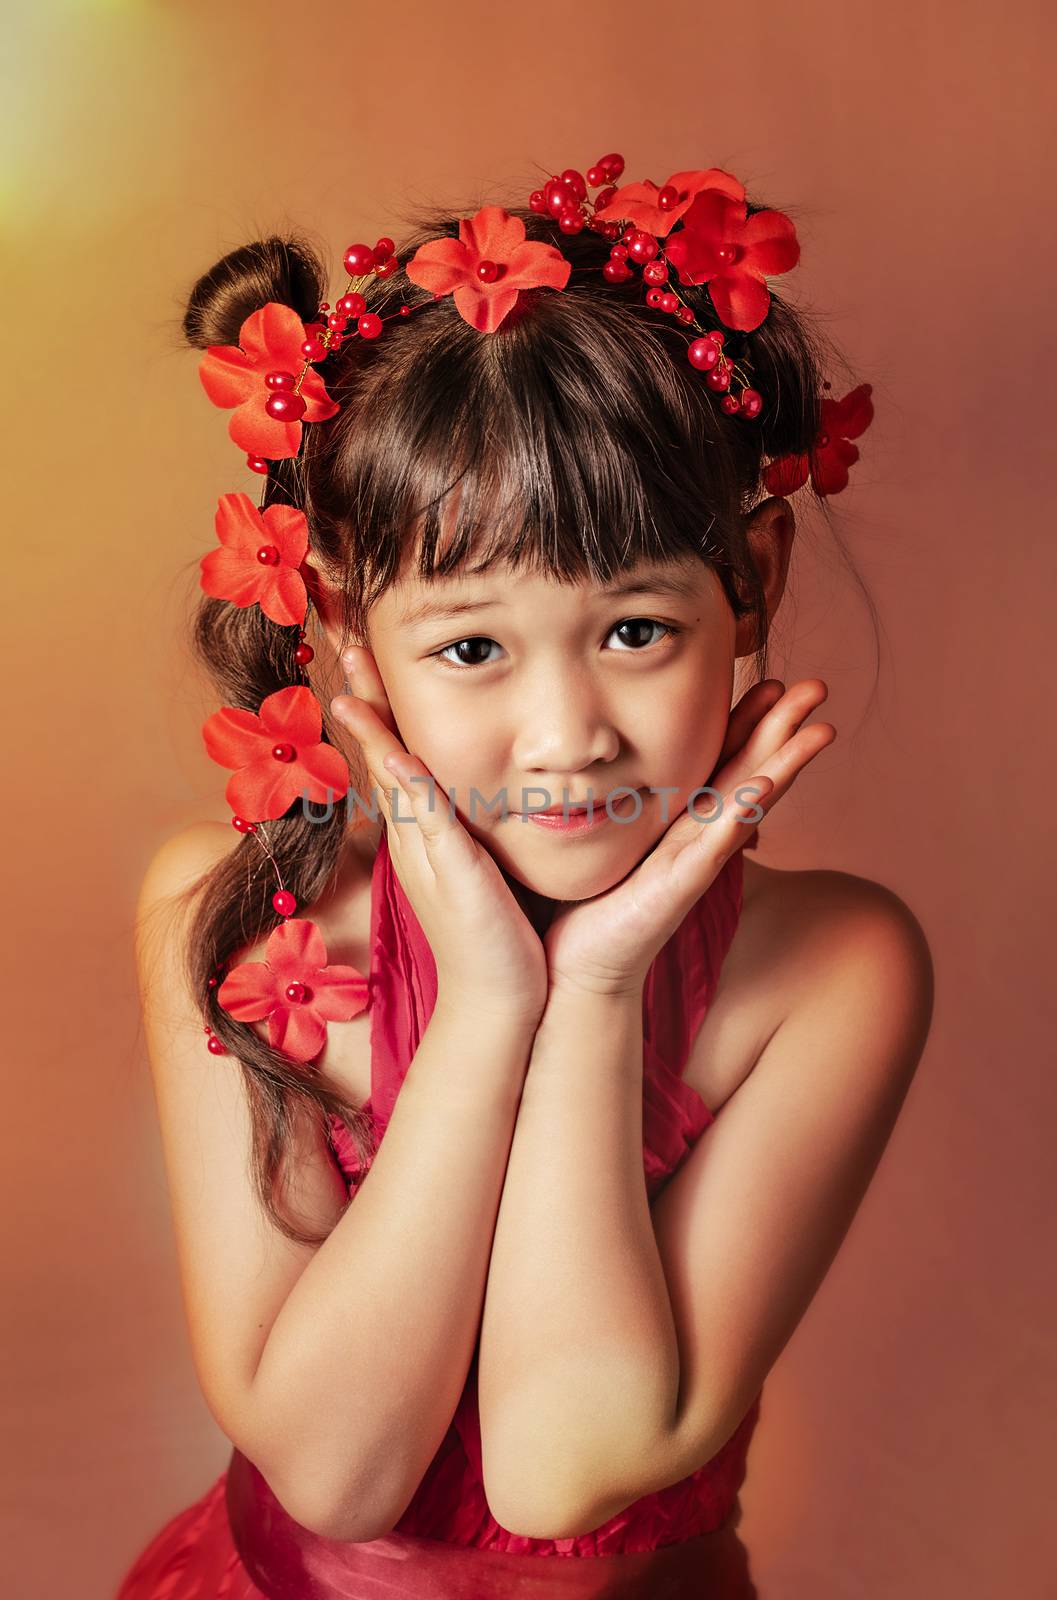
606 945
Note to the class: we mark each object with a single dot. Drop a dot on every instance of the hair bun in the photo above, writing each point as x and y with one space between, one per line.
289 270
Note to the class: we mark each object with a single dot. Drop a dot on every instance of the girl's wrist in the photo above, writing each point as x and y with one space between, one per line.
495 1016
605 994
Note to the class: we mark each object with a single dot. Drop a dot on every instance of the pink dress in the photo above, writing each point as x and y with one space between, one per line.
237 1543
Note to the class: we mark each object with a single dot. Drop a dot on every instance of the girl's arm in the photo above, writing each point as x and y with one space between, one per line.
335 1368
578 1357
363 1368
619 1351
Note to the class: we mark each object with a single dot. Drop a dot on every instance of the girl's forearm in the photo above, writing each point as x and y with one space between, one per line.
368 1355
579 1360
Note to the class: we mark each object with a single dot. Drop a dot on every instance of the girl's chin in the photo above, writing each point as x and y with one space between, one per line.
565 878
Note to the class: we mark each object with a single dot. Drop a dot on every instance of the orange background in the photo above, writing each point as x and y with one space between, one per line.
906 1434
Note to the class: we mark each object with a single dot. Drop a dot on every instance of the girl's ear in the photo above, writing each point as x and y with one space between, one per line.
770 529
326 601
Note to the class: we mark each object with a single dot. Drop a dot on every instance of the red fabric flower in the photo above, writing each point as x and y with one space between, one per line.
266 785
832 455
235 573
637 202
233 375
721 245
295 954
449 266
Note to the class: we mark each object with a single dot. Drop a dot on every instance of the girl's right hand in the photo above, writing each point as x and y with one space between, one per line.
489 958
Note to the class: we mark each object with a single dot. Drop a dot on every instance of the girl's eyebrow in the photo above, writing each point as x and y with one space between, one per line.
660 583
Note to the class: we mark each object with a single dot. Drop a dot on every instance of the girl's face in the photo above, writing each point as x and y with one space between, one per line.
524 688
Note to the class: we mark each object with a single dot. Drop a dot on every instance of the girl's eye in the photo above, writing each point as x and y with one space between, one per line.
633 624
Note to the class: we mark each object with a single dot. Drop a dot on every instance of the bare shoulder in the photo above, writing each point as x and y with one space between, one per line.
802 935
178 864
183 858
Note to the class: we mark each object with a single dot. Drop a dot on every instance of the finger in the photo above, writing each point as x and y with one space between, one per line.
714 835
780 723
754 704
376 742
366 682
730 820
783 766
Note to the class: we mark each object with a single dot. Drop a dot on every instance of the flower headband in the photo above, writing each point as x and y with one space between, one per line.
694 230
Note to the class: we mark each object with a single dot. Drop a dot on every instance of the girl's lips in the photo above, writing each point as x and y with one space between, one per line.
584 821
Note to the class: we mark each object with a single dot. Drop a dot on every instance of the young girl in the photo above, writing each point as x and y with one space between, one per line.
632 1085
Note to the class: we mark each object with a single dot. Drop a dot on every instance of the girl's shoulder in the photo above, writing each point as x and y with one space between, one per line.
341 912
795 930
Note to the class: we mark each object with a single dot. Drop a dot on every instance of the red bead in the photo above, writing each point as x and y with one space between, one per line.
337 320
487 271
384 247
604 196
751 402
336 341
359 258
595 176
574 182
669 302
285 406
242 825
727 254
654 296
313 349
215 1047
616 271
386 268
685 314
619 252
655 272
703 354
717 337
268 555
718 379
405 311
257 464
538 203
284 902
353 305
667 197
284 752
324 306
629 233
369 325
642 247
611 230
295 993
556 196
280 380
304 654
211 983
613 166
571 221
729 404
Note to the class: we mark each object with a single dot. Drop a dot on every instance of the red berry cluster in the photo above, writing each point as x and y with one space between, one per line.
322 336
564 196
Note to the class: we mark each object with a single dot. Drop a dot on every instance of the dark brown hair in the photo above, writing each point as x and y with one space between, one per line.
582 441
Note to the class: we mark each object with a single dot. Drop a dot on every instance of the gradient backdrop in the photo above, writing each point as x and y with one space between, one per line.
906 1437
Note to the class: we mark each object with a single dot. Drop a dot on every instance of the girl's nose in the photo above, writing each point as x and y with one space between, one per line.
564 730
